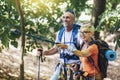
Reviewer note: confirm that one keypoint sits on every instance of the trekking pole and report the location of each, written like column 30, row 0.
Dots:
column 39, row 68
column 65, row 72
column 35, row 37
column 64, row 66
column 39, row 57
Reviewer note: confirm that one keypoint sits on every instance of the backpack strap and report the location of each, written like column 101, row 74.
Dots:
column 92, row 62
column 74, row 33
column 61, row 33
column 82, row 46
column 89, row 57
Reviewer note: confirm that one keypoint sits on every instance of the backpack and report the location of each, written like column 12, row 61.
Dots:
column 75, row 31
column 102, row 60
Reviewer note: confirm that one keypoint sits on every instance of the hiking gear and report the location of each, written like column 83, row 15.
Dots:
column 39, row 58
column 110, row 55
column 82, row 73
column 35, row 37
column 102, row 60
column 65, row 55
column 75, row 31
column 38, row 67
column 73, row 41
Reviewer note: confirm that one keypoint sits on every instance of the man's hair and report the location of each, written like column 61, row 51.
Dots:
column 70, row 11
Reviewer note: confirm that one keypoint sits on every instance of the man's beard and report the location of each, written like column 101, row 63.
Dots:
column 65, row 25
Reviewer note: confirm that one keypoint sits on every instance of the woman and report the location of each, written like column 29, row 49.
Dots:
column 86, row 33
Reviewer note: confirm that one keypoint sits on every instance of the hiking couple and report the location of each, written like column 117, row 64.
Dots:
column 74, row 49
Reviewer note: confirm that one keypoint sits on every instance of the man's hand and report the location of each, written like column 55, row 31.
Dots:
column 62, row 46
column 37, row 51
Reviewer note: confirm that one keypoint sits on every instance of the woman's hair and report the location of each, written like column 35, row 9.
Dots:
column 89, row 27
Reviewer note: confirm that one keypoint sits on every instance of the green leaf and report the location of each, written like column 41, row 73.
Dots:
column 14, row 35
column 5, row 40
column 14, row 43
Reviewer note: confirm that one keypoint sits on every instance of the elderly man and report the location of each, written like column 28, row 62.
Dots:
column 67, row 35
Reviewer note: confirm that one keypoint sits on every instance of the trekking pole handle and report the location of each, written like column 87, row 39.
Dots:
column 41, row 54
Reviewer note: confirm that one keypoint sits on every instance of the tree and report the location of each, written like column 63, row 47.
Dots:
column 98, row 9
column 110, row 19
column 104, row 17
column 23, row 38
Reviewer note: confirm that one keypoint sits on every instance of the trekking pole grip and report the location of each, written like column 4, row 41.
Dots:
column 41, row 54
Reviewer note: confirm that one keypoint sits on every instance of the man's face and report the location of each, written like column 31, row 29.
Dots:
column 68, row 19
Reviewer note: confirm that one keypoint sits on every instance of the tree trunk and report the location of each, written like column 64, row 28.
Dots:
column 99, row 8
column 23, row 38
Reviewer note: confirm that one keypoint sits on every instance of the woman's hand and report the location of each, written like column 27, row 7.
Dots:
column 76, row 77
column 74, row 67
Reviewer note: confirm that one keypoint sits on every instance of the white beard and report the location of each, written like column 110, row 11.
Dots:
column 65, row 25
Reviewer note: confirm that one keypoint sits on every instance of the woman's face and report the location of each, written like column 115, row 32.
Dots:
column 85, row 34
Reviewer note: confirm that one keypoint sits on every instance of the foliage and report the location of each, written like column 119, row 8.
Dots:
column 9, row 20
column 110, row 22
column 42, row 18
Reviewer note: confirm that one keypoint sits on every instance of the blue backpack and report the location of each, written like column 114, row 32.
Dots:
column 75, row 31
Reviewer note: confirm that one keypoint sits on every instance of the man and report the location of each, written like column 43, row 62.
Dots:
column 68, row 36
